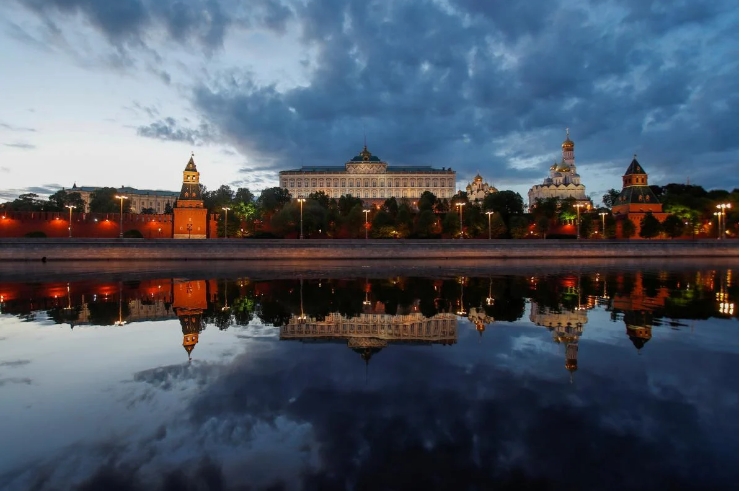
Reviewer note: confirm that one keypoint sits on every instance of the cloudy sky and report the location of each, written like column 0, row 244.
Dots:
column 119, row 93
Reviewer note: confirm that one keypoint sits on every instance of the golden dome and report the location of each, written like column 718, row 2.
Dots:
column 478, row 178
column 567, row 143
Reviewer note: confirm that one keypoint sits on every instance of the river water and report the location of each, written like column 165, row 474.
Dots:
column 365, row 377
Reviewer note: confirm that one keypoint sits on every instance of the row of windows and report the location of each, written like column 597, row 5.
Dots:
column 398, row 182
column 378, row 194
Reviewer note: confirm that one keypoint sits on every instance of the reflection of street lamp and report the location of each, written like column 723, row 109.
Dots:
column 460, row 210
column 120, row 321
column 718, row 214
column 578, row 207
column 461, row 311
column 120, row 215
column 723, row 207
column 70, row 218
column 603, row 223
column 226, row 211
column 490, row 299
column 301, row 205
column 366, row 223
column 490, row 214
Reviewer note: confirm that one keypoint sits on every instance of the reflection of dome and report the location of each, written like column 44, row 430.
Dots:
column 366, row 353
column 638, row 335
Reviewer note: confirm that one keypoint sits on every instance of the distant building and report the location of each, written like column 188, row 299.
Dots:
column 367, row 177
column 138, row 198
column 563, row 182
column 636, row 198
column 478, row 189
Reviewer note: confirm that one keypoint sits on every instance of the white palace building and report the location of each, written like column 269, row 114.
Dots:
column 367, row 177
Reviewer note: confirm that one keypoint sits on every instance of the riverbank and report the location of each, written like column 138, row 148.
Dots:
column 73, row 249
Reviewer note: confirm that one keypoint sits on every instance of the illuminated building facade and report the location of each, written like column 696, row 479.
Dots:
column 563, row 181
column 367, row 177
column 189, row 213
column 478, row 189
column 636, row 198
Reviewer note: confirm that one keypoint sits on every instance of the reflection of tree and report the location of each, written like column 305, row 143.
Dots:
column 273, row 312
column 66, row 315
column 106, row 313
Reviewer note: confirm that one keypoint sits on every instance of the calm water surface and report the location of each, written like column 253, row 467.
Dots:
column 598, row 379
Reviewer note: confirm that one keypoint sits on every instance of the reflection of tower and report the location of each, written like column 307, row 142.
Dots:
column 461, row 310
column 189, row 302
column 120, row 321
column 638, row 310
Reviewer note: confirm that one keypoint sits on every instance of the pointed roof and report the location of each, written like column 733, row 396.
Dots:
column 191, row 164
column 365, row 156
column 634, row 168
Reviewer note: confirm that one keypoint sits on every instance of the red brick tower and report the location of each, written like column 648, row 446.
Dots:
column 189, row 213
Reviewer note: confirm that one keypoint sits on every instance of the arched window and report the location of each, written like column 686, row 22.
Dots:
column 365, row 183
column 313, row 183
column 336, row 182
column 306, row 183
column 321, row 183
column 344, row 184
column 434, row 183
column 357, row 183
column 374, row 183
column 396, row 182
column 404, row 183
column 427, row 182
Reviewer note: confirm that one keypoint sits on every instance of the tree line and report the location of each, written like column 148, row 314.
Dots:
column 275, row 213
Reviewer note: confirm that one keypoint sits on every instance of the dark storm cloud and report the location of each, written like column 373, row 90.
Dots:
column 15, row 380
column 202, row 21
column 171, row 130
column 431, row 85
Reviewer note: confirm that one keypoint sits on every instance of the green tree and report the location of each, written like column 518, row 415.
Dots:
column 404, row 220
column 168, row 209
column 426, row 201
column 104, row 200
column 542, row 225
column 451, row 224
column 506, row 203
column 26, row 202
column 61, row 199
column 425, row 223
column 629, row 228
column 610, row 227
column 650, row 226
column 586, row 227
column 391, row 207
column 498, row 227
column 518, row 226
column 673, row 226
column 355, row 220
column 272, row 199
column 610, row 198
column 244, row 195
column 346, row 203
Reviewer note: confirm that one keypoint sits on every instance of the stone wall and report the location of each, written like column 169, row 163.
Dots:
column 252, row 250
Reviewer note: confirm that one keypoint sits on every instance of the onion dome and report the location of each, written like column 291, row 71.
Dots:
column 478, row 178
column 567, row 143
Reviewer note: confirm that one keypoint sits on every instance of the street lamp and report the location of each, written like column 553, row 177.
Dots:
column 226, row 211
column 366, row 223
column 120, row 215
column 603, row 223
column 301, row 204
column 578, row 207
column 722, row 207
column 490, row 214
column 460, row 210
column 70, row 218
column 718, row 214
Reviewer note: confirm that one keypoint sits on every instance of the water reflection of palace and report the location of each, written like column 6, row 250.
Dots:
column 373, row 329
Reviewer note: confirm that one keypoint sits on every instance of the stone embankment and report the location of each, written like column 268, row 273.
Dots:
column 73, row 249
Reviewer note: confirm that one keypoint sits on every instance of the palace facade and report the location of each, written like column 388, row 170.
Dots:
column 139, row 199
column 367, row 177
column 563, row 182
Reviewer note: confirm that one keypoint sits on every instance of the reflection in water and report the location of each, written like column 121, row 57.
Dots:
column 373, row 329
column 491, row 410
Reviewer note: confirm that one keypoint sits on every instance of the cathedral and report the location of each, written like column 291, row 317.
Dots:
column 563, row 182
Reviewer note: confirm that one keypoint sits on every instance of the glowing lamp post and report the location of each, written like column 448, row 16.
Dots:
column 578, row 207
column 70, row 218
column 722, row 219
column 603, row 223
column 489, row 213
column 301, row 229
column 718, row 214
column 366, row 223
column 460, row 210
column 226, row 212
column 120, row 215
